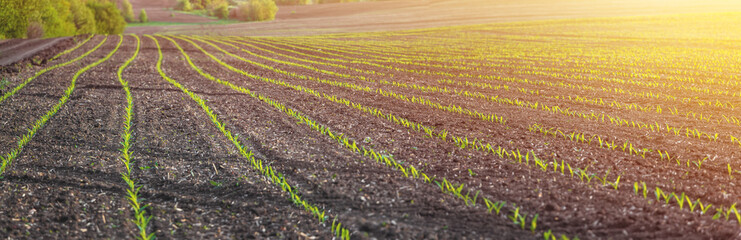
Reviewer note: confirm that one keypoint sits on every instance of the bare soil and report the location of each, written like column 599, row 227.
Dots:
column 66, row 184
column 162, row 11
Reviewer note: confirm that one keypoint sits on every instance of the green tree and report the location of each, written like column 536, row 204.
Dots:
column 82, row 17
column 107, row 17
column 263, row 10
column 257, row 10
column 56, row 19
column 14, row 15
column 184, row 5
column 143, row 16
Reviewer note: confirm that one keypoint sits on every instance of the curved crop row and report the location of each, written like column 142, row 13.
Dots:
column 386, row 93
column 13, row 154
column 347, row 59
column 268, row 171
column 28, row 80
column 352, row 145
column 695, row 133
column 575, row 99
column 73, row 48
column 140, row 213
column 691, row 133
column 462, row 142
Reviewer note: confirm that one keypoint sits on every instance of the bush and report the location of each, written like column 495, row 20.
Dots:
column 35, row 30
column 184, row 5
column 222, row 11
column 143, row 16
column 213, row 7
column 294, row 2
column 108, row 18
column 257, row 10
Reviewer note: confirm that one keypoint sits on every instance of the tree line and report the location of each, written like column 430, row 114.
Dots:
column 57, row 18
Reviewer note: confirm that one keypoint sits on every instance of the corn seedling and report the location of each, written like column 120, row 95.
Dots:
column 141, row 220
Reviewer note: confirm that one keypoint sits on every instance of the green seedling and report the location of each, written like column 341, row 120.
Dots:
column 644, row 189
column 730, row 171
column 615, row 184
column 548, row 235
column 603, row 180
column 3, row 84
column 515, row 216
column 680, row 200
column 691, row 204
column 494, row 206
column 704, row 208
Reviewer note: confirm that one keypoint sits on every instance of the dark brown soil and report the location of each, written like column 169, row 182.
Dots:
column 67, row 183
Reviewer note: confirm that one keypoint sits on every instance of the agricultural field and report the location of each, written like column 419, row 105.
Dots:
column 594, row 128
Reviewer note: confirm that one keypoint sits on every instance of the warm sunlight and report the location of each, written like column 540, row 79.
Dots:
column 370, row 119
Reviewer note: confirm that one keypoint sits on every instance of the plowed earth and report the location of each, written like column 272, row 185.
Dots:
column 66, row 183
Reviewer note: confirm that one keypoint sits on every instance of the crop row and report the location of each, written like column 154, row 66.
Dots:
column 141, row 218
column 464, row 143
column 576, row 99
column 482, row 48
column 532, row 70
column 655, row 127
column 65, row 52
column 266, row 170
column 8, row 158
column 45, row 70
column 378, row 156
column 386, row 93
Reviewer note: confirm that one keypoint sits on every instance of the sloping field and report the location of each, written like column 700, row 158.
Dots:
column 162, row 11
column 605, row 128
column 415, row 14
